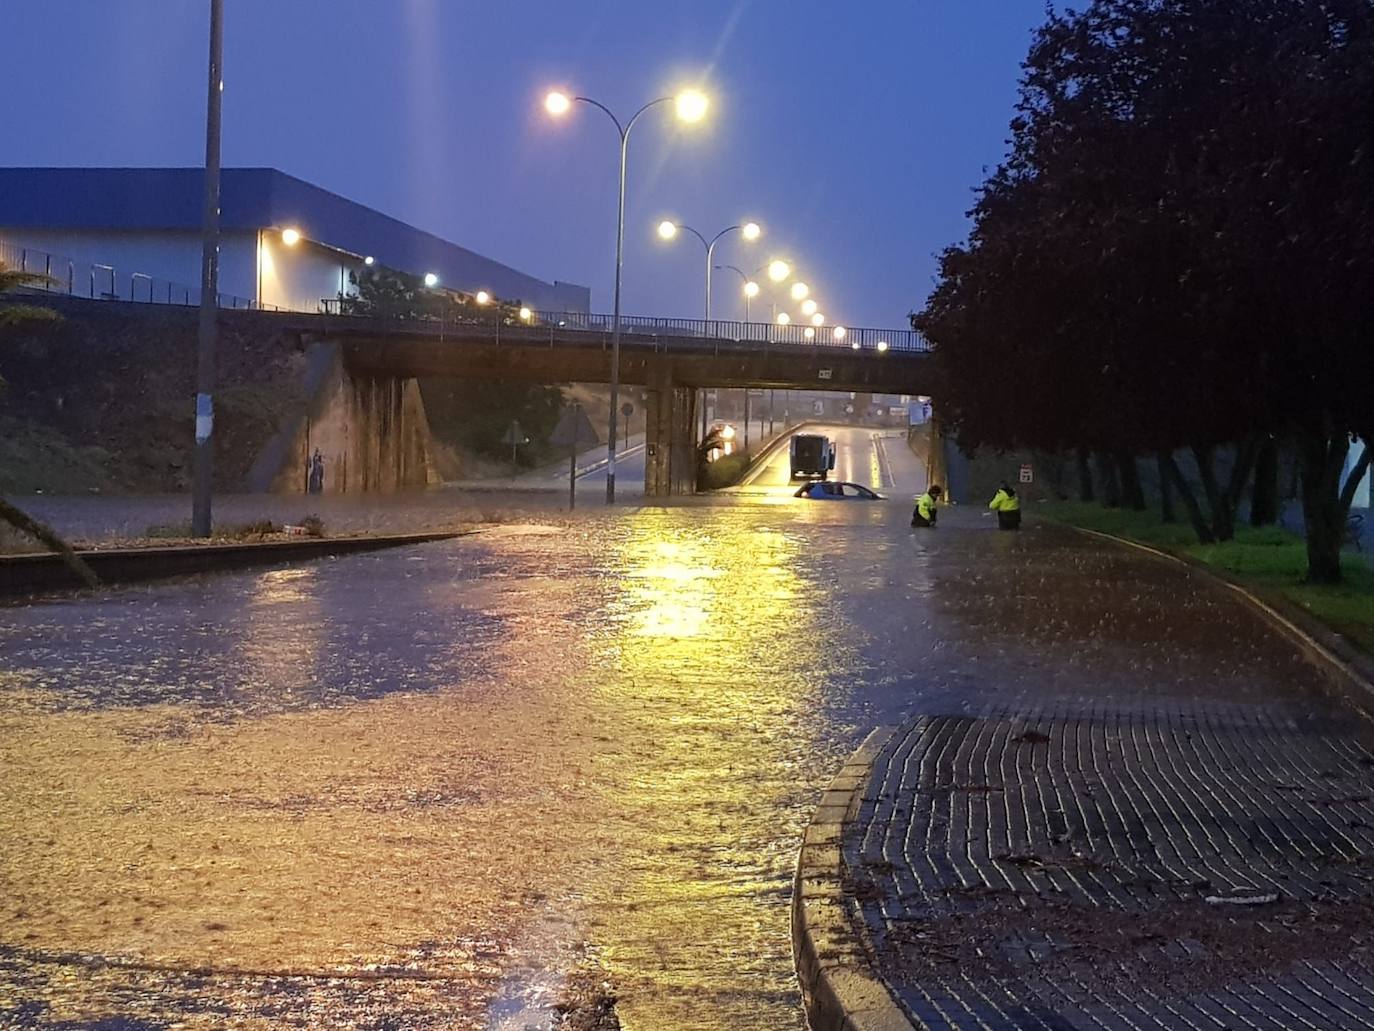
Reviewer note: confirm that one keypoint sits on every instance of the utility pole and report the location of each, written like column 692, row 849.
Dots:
column 203, row 482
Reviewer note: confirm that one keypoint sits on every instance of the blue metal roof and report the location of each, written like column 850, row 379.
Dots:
column 169, row 199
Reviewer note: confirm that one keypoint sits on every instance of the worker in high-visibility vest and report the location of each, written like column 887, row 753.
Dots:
column 926, row 503
column 1007, row 506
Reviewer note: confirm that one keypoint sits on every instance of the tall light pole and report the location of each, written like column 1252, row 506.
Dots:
column 749, row 230
column 750, row 289
column 203, row 469
column 691, row 107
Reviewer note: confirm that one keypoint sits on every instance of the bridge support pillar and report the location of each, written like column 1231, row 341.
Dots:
column 670, row 461
column 369, row 432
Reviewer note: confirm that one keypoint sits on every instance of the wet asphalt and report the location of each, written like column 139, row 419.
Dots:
column 421, row 788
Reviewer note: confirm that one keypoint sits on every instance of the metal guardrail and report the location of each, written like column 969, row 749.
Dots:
column 73, row 277
column 104, row 283
column 764, row 334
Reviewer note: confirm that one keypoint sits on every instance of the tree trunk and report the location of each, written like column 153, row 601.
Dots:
column 1085, row 476
column 1185, row 493
column 1321, row 455
column 1264, row 496
column 1219, row 500
column 1106, row 475
column 45, row 534
column 1166, row 489
column 1132, row 496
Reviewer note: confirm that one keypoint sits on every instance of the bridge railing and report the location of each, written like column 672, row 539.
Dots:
column 77, row 278
column 761, row 334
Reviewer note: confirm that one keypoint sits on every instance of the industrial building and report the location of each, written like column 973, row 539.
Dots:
column 135, row 234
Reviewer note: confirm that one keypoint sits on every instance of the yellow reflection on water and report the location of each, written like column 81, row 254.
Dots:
column 716, row 635
column 282, row 631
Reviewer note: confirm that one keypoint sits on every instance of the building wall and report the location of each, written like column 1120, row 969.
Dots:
column 299, row 277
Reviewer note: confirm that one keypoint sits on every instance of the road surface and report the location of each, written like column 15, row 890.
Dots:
column 877, row 458
column 434, row 787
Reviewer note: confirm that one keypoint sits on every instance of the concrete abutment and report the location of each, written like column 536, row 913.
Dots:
column 360, row 432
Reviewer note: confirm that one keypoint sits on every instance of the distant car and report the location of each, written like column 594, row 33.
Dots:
column 829, row 490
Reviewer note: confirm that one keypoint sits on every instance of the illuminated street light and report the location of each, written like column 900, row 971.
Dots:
column 290, row 237
column 799, row 291
column 369, row 261
column 810, row 333
column 855, row 345
column 809, row 306
column 691, row 107
column 779, row 270
column 783, row 318
column 882, row 345
column 840, row 332
column 751, row 289
column 482, row 297
column 749, row 230
column 431, row 280
column 526, row 315
column 817, row 319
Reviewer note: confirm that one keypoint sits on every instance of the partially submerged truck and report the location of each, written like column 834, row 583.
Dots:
column 812, row 455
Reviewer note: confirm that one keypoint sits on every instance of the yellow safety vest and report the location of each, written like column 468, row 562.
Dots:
column 1004, row 502
column 925, row 504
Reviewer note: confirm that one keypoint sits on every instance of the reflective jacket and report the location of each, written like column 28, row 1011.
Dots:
column 925, row 505
column 1005, row 501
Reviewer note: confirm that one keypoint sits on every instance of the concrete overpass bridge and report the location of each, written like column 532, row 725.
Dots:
column 673, row 360
column 365, row 413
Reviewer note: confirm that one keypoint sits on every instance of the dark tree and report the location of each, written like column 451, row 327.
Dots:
column 1178, row 249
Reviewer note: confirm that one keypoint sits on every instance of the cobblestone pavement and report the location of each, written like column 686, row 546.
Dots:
column 1186, row 844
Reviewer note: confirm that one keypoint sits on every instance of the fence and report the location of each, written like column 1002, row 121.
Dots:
column 77, row 278
column 107, row 283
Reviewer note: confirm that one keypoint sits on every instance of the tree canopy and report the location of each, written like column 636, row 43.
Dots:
column 1178, row 248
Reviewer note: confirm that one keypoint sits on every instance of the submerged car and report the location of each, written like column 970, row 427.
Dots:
column 829, row 490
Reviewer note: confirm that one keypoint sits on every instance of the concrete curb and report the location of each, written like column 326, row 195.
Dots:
column 839, row 989
column 1347, row 669
column 22, row 575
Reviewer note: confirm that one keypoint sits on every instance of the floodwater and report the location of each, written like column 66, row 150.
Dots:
column 425, row 787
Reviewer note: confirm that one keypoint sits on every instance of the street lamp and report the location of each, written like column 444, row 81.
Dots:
column 778, row 270
column 431, row 280
column 817, row 319
column 691, row 106
column 809, row 306
column 799, row 291
column 750, row 288
column 668, row 230
column 783, row 318
column 290, row 237
column 482, row 297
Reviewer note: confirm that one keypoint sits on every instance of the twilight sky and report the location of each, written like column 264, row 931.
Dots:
column 853, row 132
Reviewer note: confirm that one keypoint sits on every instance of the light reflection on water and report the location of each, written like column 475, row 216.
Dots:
column 506, row 757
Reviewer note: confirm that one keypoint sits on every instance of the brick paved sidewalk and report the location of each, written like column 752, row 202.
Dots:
column 1126, row 854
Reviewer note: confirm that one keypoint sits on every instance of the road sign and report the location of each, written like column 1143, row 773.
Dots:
column 822, row 373
column 1027, row 474
column 574, row 429
column 515, row 435
column 627, row 409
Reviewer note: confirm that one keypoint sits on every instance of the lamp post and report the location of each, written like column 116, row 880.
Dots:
column 749, row 230
column 691, row 107
column 203, row 477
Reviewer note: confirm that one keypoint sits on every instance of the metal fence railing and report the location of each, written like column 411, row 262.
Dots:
column 546, row 323
column 75, row 277
column 97, row 281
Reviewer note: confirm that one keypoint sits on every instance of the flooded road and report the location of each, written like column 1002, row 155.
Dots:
column 454, row 774
column 422, row 788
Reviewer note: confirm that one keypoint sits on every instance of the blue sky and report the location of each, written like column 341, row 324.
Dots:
column 853, row 132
